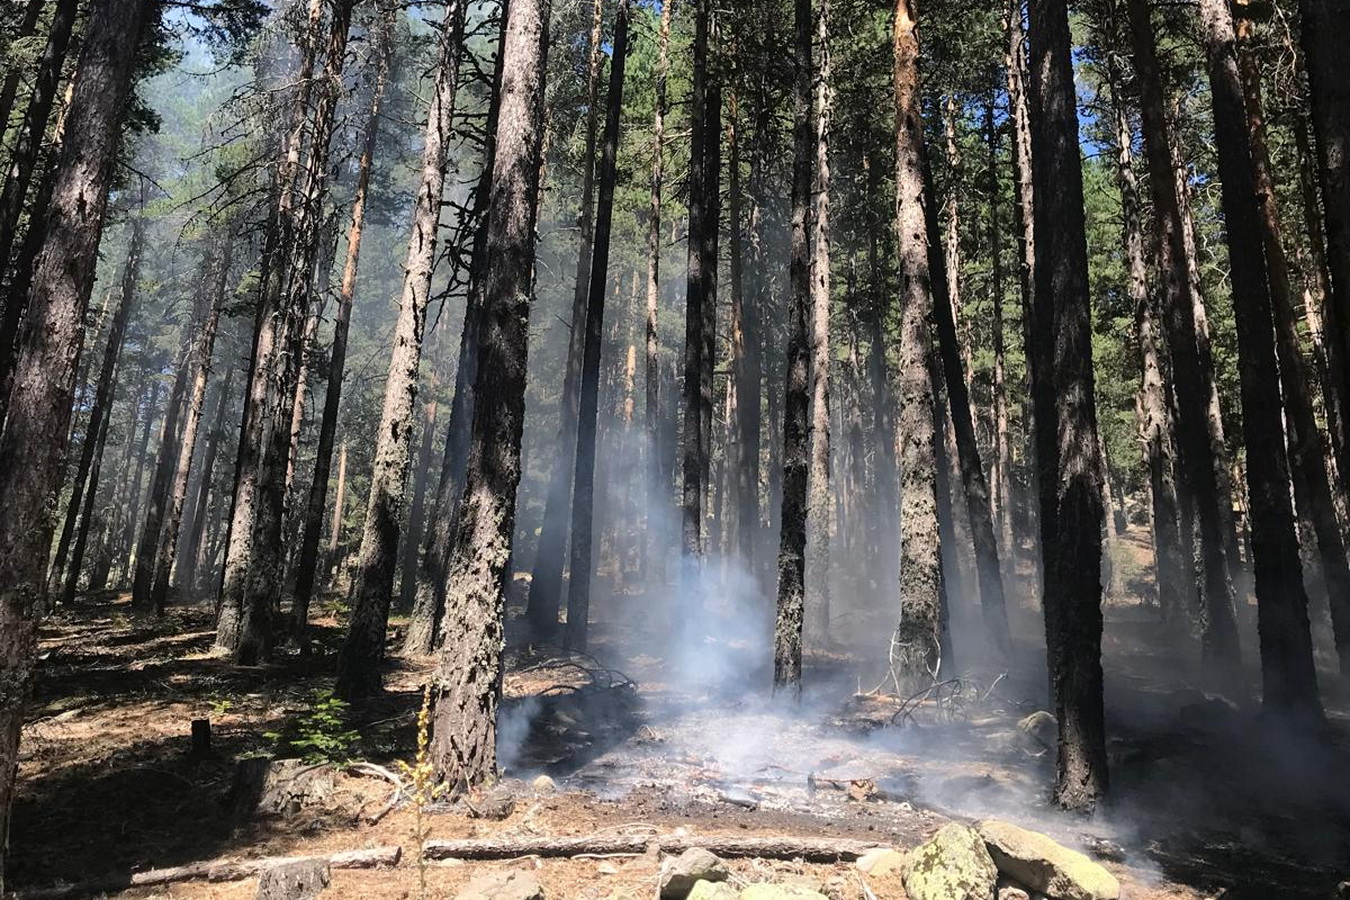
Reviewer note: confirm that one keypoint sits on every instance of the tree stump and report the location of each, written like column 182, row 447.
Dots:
column 300, row 880
column 201, row 738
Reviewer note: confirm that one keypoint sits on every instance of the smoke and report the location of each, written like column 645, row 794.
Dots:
column 513, row 728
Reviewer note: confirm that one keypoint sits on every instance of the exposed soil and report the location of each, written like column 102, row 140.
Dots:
column 1209, row 798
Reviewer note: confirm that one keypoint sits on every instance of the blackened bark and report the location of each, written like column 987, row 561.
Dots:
column 546, row 583
column 659, row 476
column 464, row 747
column 1288, row 675
column 580, row 564
column 916, row 647
column 44, row 381
column 787, row 648
column 1191, row 378
column 1066, row 421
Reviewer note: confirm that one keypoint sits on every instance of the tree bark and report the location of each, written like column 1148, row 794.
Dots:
column 818, row 480
column 1289, row 677
column 373, row 580
column 32, row 11
column 189, row 565
column 40, row 408
column 1066, row 421
column 1000, row 497
column 546, row 585
column 581, row 565
column 470, row 674
column 1192, row 379
column 787, row 652
column 916, row 646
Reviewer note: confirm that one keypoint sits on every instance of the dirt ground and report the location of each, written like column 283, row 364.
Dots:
column 1209, row 800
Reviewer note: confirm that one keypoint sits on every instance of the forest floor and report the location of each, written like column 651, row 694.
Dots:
column 1210, row 800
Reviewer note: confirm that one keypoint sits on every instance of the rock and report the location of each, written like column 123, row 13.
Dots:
column 494, row 804
column 881, row 861
column 1041, row 728
column 1038, row 863
column 300, row 880
column 280, row 787
column 544, row 785
column 952, row 865
column 513, row 885
column 691, row 866
column 712, row 890
column 1009, row 891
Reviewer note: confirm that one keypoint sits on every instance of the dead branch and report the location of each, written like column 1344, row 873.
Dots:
column 778, row 847
column 217, row 870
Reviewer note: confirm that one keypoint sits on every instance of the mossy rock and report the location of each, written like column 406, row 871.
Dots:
column 712, row 890
column 952, row 865
column 780, row 892
column 1036, row 861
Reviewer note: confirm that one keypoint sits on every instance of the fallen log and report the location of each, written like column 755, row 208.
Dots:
column 216, row 870
column 787, row 848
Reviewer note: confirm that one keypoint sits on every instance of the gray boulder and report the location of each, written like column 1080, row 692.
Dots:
column 299, row 880
column 513, row 885
column 952, row 865
column 689, row 868
column 1038, row 863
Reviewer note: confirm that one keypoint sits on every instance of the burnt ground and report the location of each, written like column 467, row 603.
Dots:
column 1210, row 798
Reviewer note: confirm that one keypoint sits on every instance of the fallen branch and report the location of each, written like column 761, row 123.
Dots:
column 216, row 870
column 785, row 848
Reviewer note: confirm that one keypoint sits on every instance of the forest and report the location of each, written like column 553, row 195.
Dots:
column 708, row 449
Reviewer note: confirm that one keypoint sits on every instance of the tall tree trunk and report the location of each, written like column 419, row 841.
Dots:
column 818, row 497
column 131, row 501
column 1000, row 497
column 1307, row 451
column 193, row 552
column 373, row 580
column 202, row 355
column 44, row 383
column 464, row 747
column 581, row 565
column 424, row 623
column 916, row 646
column 308, row 564
column 81, row 490
column 695, row 450
column 412, row 543
column 1066, row 420
column 1025, row 206
column 1289, row 678
column 659, row 478
column 1191, row 377
column 546, row 585
column 1325, row 23
column 787, row 651
column 1172, row 561
column 161, row 483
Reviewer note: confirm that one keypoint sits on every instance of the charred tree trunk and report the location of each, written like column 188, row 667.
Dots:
column 44, row 383
column 470, row 675
column 189, row 565
column 1000, row 498
column 1191, row 377
column 818, row 481
column 916, row 647
column 1066, row 420
column 787, row 651
column 581, row 564
column 659, row 477
column 1289, row 678
column 546, row 586
column 373, row 579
